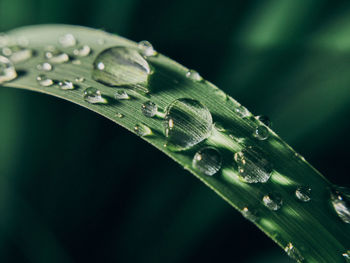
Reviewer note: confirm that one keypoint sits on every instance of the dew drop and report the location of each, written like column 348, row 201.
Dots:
column 93, row 95
column 340, row 199
column 247, row 213
column 56, row 56
column 149, row 109
column 265, row 120
column 142, row 130
column 147, row 48
column 346, row 256
column 121, row 66
column 44, row 81
column 207, row 160
column 303, row 193
column 121, row 95
column 68, row 40
column 79, row 79
column 187, row 123
column 44, row 66
column 17, row 53
column 194, row 75
column 261, row 132
column 119, row 115
column 241, row 111
column 252, row 166
column 273, row 201
column 7, row 70
column 293, row 253
column 66, row 85
column 82, row 51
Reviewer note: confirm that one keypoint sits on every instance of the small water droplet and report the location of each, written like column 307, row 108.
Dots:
column 261, row 132
column 68, row 40
column 187, row 123
column 207, row 160
column 119, row 115
column 7, row 70
column 142, row 130
column 79, row 79
column 252, row 166
column 121, row 66
column 264, row 119
column 66, row 85
column 149, row 109
column 93, row 95
column 121, row 95
column 82, row 51
column 241, row 111
column 44, row 81
column 303, row 193
column 340, row 199
column 147, row 48
column 346, row 256
column 249, row 214
column 293, row 253
column 56, row 56
column 17, row 53
column 273, row 201
column 44, row 66
column 194, row 75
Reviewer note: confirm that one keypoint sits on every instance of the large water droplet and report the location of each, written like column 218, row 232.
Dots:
column 340, row 199
column 250, row 215
column 149, row 109
column 121, row 95
column 303, row 193
column 147, row 48
column 44, row 81
column 187, row 123
column 142, row 130
column 346, row 256
column 121, row 66
column 293, row 253
column 207, row 160
column 252, row 166
column 273, row 201
column 264, row 119
column 7, row 70
column 68, row 40
column 93, row 95
column 261, row 132
column 17, row 53
column 194, row 75
column 56, row 56
column 66, row 85
column 44, row 66
column 82, row 51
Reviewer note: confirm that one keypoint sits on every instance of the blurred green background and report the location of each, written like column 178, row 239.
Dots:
column 61, row 200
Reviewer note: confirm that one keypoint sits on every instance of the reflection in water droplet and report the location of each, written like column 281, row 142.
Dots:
column 7, row 70
column 187, row 123
column 121, row 95
column 340, row 199
column 293, row 253
column 93, row 95
column 119, row 115
column 194, row 75
column 303, row 193
column 44, row 66
column 66, row 85
column 149, row 109
column 264, row 119
column 346, row 256
column 17, row 53
column 252, row 166
column 44, row 81
column 249, row 214
column 241, row 111
column 82, row 51
column 261, row 133
column 142, row 130
column 207, row 160
column 273, row 201
column 79, row 79
column 147, row 48
column 56, row 56
column 121, row 66
column 68, row 40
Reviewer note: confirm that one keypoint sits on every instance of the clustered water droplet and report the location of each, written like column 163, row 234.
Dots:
column 44, row 81
column 17, row 53
column 121, row 95
column 142, row 130
column 66, row 85
column 147, row 48
column 207, row 161
column 149, row 109
column 273, row 201
column 303, row 193
column 56, row 56
column 93, row 95
column 340, row 199
column 7, row 70
column 293, row 253
column 82, row 51
column 44, row 66
column 193, row 75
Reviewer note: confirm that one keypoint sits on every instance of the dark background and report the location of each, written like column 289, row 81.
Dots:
column 75, row 187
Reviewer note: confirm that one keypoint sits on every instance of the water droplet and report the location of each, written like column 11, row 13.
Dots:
column 249, row 214
column 149, row 109
column 346, row 256
column 44, row 81
column 303, row 193
column 56, row 56
column 119, row 115
column 121, row 66
column 66, row 85
column 252, row 166
column 76, row 62
column 241, row 111
column 68, row 40
column 121, row 95
column 147, row 48
column 273, row 201
column 44, row 66
column 142, row 130
column 293, row 253
column 194, row 75
column 82, row 51
column 17, row 53
column 264, row 119
column 7, row 70
column 207, row 160
column 93, row 95
column 261, row 132
column 187, row 123
column 79, row 79
column 340, row 199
